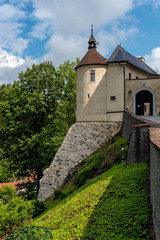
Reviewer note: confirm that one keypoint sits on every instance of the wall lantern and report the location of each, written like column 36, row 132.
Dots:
column 130, row 92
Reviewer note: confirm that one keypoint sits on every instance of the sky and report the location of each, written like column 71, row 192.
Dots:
column 34, row 31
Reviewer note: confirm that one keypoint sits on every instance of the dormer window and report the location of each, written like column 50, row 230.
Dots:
column 92, row 75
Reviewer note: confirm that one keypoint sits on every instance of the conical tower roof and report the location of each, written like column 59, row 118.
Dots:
column 92, row 57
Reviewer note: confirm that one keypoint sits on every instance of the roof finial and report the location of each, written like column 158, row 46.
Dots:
column 91, row 29
column 92, row 41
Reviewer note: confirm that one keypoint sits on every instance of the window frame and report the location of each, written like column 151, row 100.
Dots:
column 112, row 98
column 92, row 75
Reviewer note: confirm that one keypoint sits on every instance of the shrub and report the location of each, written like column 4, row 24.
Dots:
column 7, row 192
column 59, row 195
column 31, row 233
column 113, row 152
column 93, row 164
column 14, row 213
column 39, row 207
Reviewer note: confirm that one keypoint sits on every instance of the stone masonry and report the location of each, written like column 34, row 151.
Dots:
column 81, row 140
column 139, row 144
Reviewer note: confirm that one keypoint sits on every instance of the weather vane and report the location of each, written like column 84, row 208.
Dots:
column 91, row 29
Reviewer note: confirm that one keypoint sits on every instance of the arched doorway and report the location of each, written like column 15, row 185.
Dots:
column 144, row 103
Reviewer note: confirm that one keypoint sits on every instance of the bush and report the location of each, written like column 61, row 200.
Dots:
column 30, row 192
column 39, row 207
column 7, row 192
column 113, row 152
column 31, row 233
column 93, row 164
column 13, row 214
column 59, row 195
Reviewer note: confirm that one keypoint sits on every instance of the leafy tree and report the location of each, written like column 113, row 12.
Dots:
column 35, row 114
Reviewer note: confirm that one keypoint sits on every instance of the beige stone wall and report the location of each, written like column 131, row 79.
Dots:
column 134, row 73
column 134, row 85
column 91, row 96
column 115, row 88
column 94, row 98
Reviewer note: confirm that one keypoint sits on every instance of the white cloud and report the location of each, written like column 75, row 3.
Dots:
column 11, row 28
column 153, row 59
column 70, row 20
column 73, row 17
column 9, row 60
column 65, row 26
column 11, row 66
column 10, row 38
column 10, row 13
column 113, row 38
column 61, row 48
column 156, row 3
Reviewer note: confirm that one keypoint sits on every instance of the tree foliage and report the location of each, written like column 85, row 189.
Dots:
column 35, row 114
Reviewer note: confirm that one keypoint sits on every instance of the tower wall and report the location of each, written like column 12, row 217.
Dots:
column 91, row 96
column 115, row 89
column 103, row 99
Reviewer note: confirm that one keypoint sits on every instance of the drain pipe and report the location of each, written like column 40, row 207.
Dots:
column 124, row 85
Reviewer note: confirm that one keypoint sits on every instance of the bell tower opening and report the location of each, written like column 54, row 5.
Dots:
column 92, row 41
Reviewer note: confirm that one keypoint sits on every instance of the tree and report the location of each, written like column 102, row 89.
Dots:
column 35, row 114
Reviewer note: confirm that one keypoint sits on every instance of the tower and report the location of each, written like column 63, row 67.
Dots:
column 91, row 84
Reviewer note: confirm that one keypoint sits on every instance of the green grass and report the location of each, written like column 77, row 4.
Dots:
column 112, row 206
column 110, row 154
column 113, row 152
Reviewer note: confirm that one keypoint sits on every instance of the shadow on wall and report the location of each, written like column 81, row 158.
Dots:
column 96, row 104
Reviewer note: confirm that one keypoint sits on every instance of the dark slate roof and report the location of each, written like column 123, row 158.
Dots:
column 92, row 57
column 121, row 55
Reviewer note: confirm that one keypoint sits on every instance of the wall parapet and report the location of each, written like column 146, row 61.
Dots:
column 144, row 145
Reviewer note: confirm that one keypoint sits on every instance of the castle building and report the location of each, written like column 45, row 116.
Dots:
column 105, row 87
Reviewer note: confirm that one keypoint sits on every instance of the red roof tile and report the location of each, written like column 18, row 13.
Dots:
column 92, row 57
column 14, row 184
column 92, row 38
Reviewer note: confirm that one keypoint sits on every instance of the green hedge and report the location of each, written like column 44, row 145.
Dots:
column 13, row 214
column 31, row 233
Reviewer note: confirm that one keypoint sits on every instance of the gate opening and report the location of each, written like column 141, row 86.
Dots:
column 144, row 103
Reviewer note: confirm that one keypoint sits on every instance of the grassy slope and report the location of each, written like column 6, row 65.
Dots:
column 114, row 205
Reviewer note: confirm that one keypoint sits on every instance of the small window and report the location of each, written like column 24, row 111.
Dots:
column 88, row 95
column 112, row 98
column 137, row 77
column 92, row 72
column 130, row 76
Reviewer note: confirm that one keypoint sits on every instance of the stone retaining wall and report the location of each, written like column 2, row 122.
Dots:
column 81, row 140
column 144, row 145
column 155, row 178
column 130, row 119
column 139, row 144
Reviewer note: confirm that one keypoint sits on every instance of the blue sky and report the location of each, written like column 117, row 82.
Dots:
column 33, row 31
